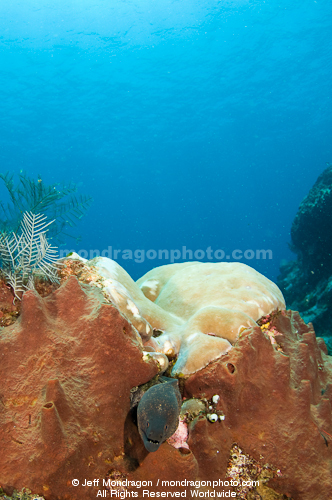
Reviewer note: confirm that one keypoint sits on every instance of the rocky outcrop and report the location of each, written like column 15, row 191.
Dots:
column 307, row 282
column 311, row 229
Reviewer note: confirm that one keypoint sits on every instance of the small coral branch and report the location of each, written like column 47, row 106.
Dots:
column 27, row 254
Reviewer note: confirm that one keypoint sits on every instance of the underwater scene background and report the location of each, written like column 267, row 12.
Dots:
column 190, row 123
column 136, row 134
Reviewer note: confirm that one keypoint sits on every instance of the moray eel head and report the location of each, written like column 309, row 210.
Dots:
column 158, row 413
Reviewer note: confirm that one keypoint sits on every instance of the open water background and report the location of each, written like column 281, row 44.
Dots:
column 197, row 123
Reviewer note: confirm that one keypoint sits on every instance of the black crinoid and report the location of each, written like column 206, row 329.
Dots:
column 58, row 202
column 26, row 254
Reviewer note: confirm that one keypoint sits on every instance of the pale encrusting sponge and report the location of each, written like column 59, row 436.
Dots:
column 193, row 312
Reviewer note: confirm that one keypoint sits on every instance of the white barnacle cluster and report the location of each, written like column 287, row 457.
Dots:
column 214, row 415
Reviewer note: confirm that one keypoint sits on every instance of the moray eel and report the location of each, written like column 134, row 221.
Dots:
column 158, row 413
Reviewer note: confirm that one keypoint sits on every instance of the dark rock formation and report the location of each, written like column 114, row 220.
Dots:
column 312, row 229
column 307, row 282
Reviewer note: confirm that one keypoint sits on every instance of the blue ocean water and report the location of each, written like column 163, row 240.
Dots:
column 196, row 124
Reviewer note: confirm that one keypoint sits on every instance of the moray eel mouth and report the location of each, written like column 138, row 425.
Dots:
column 158, row 413
column 150, row 444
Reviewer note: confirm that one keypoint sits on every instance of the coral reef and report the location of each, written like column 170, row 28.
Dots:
column 71, row 361
column 214, row 303
column 277, row 405
column 9, row 310
column 197, row 309
column 24, row 494
column 307, row 282
column 66, row 372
